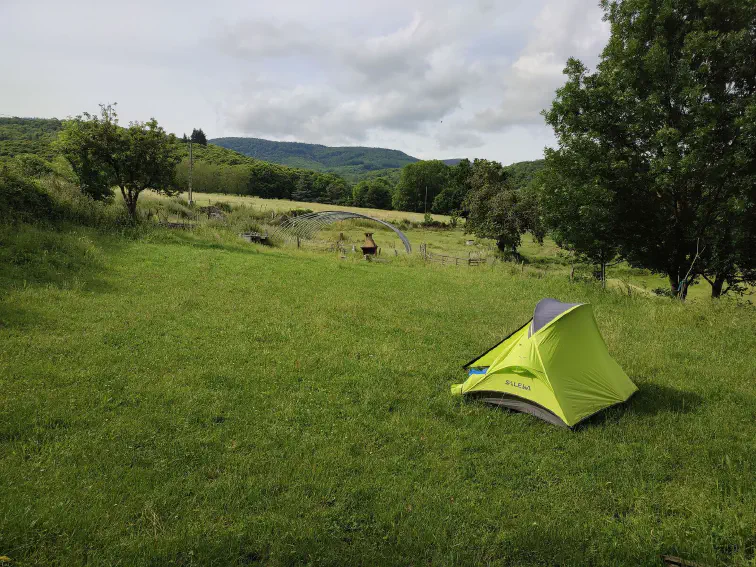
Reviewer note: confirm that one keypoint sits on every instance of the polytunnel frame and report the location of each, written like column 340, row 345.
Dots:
column 305, row 226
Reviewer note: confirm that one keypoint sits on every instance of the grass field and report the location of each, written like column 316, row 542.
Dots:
column 185, row 399
column 282, row 205
column 452, row 242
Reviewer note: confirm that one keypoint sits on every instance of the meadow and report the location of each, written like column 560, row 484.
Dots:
column 284, row 205
column 546, row 256
column 185, row 398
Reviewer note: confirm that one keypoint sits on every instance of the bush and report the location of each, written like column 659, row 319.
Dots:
column 22, row 199
column 224, row 206
column 179, row 207
column 53, row 199
column 428, row 222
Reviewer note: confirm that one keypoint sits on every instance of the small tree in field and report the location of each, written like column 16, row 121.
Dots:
column 104, row 154
column 496, row 209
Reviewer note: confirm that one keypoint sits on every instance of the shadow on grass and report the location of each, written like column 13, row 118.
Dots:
column 650, row 399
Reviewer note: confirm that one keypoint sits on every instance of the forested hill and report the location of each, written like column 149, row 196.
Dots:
column 28, row 136
column 36, row 136
column 351, row 162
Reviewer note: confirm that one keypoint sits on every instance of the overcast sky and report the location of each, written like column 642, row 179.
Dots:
column 433, row 78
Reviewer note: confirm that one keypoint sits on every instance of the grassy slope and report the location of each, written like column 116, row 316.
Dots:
column 188, row 400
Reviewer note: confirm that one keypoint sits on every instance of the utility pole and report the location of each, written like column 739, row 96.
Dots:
column 425, row 209
column 191, row 166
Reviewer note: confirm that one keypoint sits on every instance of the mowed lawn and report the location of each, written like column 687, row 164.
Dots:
column 177, row 400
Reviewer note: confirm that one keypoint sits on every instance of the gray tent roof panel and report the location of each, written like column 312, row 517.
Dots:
column 546, row 311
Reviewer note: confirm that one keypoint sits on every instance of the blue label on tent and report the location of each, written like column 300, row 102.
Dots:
column 472, row 371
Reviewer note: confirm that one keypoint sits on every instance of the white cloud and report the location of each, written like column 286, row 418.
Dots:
column 429, row 77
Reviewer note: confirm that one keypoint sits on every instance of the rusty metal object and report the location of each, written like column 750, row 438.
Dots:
column 370, row 248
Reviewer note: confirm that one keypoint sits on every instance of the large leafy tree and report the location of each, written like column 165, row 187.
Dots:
column 495, row 208
column 419, row 184
column 104, row 154
column 450, row 200
column 372, row 194
column 664, row 132
column 577, row 207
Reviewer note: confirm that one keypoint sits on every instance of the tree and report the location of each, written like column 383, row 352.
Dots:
column 198, row 137
column 334, row 189
column 104, row 154
column 303, row 188
column 494, row 207
column 419, row 184
column 83, row 142
column 665, row 132
column 731, row 260
column 577, row 209
column 372, row 194
column 450, row 199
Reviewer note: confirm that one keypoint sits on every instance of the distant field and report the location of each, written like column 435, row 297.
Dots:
column 454, row 242
column 184, row 398
column 286, row 205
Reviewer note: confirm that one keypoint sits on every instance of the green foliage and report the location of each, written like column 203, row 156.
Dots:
column 54, row 200
column 220, row 170
column 21, row 199
column 492, row 207
column 29, row 136
column 579, row 211
column 104, row 154
column 373, row 194
column 31, row 165
column 499, row 211
column 419, row 184
column 354, row 163
column 198, row 137
column 522, row 173
column 664, row 130
column 451, row 199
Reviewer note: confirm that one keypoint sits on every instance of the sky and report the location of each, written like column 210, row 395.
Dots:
column 433, row 78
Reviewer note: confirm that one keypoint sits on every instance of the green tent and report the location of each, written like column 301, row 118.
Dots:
column 556, row 367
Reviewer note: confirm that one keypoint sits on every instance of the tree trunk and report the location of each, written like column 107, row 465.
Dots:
column 131, row 206
column 717, row 285
column 130, row 199
column 678, row 286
